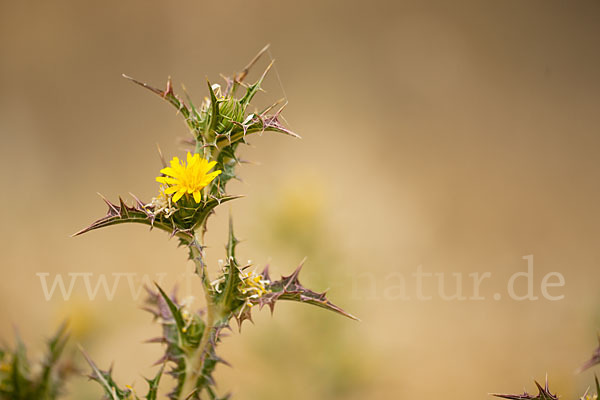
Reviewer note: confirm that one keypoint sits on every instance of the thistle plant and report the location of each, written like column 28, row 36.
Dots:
column 189, row 191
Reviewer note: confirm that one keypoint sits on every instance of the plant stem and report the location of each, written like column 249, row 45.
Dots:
column 195, row 361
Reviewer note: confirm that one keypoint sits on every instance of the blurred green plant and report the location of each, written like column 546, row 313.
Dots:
column 21, row 379
column 298, row 225
column 188, row 195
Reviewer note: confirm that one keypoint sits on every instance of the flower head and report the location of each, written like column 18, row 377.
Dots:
column 188, row 178
column 252, row 285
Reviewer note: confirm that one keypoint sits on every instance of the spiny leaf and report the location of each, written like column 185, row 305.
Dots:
column 232, row 241
column 201, row 214
column 214, row 114
column 57, row 343
column 122, row 213
column 226, row 300
column 543, row 394
column 206, row 380
column 290, row 288
column 180, row 224
column 20, row 370
column 105, row 379
column 258, row 124
column 253, row 89
column 46, row 387
column 170, row 96
column 181, row 335
column 175, row 313
column 153, row 384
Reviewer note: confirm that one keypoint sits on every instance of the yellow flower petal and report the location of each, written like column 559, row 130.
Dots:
column 167, row 180
column 197, row 197
column 171, row 189
column 168, row 171
column 177, row 196
column 210, row 165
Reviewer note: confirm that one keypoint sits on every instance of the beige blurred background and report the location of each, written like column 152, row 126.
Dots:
column 458, row 136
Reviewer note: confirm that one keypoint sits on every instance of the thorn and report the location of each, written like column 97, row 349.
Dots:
column 123, row 207
column 240, row 77
column 110, row 205
column 161, row 360
column 265, row 273
column 272, row 106
column 293, row 278
column 169, row 89
column 85, row 355
column 157, row 91
column 278, row 112
column 160, row 154
column 266, row 70
column 138, row 202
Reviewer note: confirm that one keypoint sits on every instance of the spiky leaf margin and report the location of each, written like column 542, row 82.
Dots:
column 138, row 213
column 543, row 394
column 289, row 288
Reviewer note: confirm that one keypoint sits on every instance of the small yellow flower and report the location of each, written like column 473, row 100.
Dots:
column 252, row 286
column 188, row 178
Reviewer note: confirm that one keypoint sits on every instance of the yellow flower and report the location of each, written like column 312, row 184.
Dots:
column 188, row 178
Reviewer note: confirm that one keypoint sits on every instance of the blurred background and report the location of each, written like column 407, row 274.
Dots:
column 456, row 136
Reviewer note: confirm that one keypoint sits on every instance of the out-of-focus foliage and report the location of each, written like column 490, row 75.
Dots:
column 22, row 379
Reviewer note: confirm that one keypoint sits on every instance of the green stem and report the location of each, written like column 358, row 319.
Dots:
column 199, row 147
column 195, row 361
